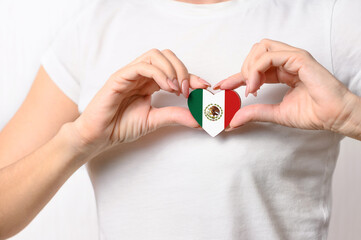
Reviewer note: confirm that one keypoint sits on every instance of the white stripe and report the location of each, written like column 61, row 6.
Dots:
column 213, row 127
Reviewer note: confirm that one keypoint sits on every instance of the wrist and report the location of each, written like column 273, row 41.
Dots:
column 351, row 124
column 79, row 151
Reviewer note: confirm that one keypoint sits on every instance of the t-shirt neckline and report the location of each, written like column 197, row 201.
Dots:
column 200, row 10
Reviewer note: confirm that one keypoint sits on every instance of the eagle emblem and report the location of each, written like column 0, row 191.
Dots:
column 213, row 112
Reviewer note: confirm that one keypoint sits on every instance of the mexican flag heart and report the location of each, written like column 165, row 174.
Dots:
column 213, row 112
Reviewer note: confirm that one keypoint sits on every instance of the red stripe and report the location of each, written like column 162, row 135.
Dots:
column 232, row 103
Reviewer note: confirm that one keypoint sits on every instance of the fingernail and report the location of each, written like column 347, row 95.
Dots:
column 185, row 88
column 199, row 128
column 204, row 82
column 228, row 129
column 246, row 91
column 217, row 86
column 175, row 81
column 255, row 94
column 172, row 85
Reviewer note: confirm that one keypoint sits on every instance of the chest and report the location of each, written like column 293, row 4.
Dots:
column 212, row 48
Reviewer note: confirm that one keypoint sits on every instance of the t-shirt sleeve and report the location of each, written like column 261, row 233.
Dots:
column 64, row 59
column 346, row 43
column 61, row 62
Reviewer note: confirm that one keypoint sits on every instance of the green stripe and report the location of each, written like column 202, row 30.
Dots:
column 195, row 105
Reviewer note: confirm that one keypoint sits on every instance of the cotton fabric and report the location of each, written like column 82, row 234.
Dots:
column 262, row 181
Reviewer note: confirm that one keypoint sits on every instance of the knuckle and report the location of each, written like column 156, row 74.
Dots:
column 265, row 41
column 182, row 70
column 113, row 76
column 116, row 75
column 266, row 44
column 168, row 51
column 153, row 51
column 255, row 45
column 304, row 54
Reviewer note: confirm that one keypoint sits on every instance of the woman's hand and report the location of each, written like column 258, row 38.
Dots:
column 121, row 111
column 316, row 99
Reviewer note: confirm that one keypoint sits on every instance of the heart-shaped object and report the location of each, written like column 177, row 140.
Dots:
column 213, row 112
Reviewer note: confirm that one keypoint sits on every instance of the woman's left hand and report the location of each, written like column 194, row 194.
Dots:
column 316, row 99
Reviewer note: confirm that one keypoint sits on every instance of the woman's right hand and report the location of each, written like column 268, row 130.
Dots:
column 55, row 142
column 121, row 111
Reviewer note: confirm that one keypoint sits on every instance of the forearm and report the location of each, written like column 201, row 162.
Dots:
column 352, row 124
column 28, row 184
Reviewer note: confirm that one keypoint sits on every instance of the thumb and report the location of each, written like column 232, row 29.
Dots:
column 161, row 117
column 254, row 113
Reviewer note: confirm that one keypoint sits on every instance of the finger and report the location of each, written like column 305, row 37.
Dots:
column 180, row 70
column 244, row 68
column 161, row 117
column 255, row 113
column 256, row 52
column 132, row 73
column 197, row 82
column 184, row 79
column 218, row 85
column 158, row 59
column 240, row 79
column 258, row 49
column 231, row 82
column 148, row 88
column 272, row 45
column 289, row 61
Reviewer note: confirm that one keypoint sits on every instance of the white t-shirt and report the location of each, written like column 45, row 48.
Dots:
column 263, row 181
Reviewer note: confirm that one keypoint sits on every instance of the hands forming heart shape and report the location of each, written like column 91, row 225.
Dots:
column 122, row 111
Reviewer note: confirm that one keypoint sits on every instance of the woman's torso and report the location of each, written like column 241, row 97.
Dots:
column 262, row 181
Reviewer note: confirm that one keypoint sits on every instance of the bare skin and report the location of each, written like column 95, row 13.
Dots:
column 43, row 145
column 316, row 100
column 55, row 141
